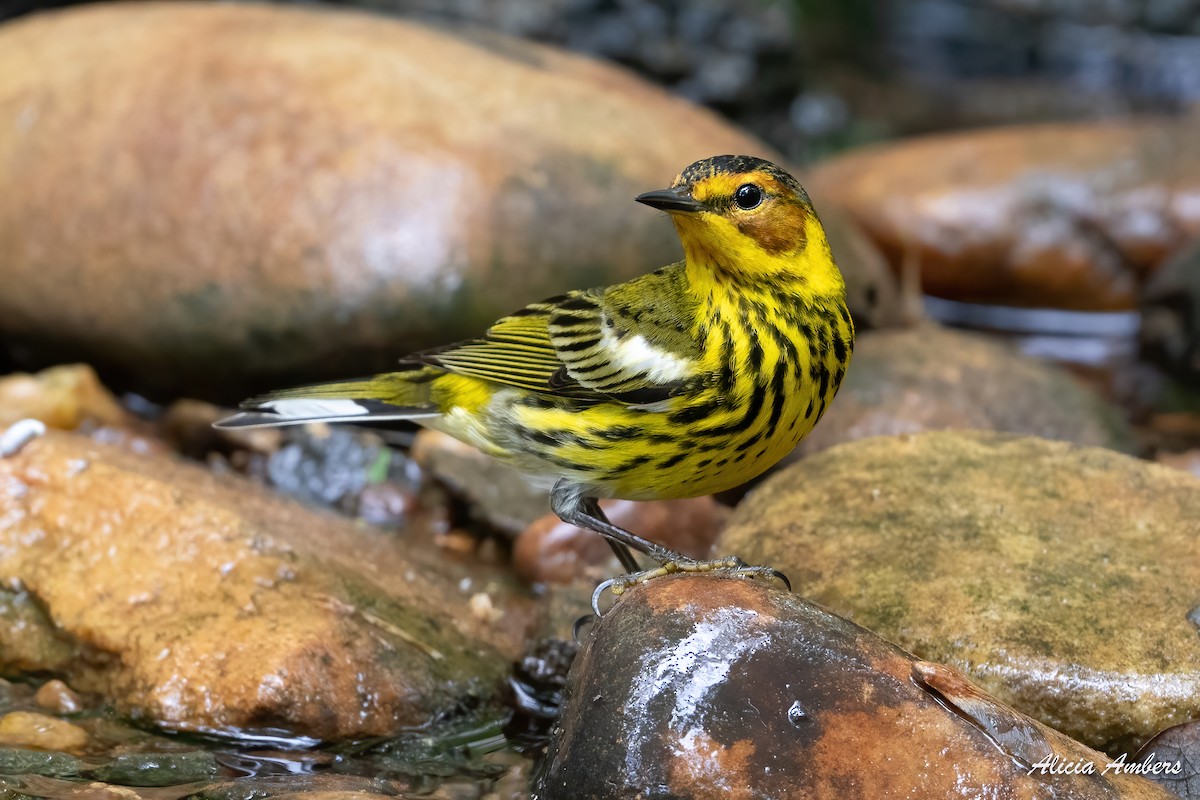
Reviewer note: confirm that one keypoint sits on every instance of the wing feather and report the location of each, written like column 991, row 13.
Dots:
column 573, row 347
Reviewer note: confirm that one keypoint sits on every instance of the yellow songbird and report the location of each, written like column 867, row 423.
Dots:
column 690, row 380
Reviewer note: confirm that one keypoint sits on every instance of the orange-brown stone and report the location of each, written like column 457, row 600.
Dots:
column 205, row 603
column 710, row 687
column 1064, row 215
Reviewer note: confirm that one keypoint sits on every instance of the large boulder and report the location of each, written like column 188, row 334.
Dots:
column 709, row 687
column 219, row 198
column 203, row 603
column 1061, row 579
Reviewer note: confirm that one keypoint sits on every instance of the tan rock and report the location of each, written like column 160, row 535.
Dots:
column 710, row 687
column 1065, row 215
column 1060, row 579
column 62, row 397
column 30, row 729
column 209, row 604
column 272, row 194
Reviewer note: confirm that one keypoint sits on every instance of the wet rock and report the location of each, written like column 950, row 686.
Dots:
column 496, row 495
column 553, row 551
column 33, row 762
column 704, row 686
column 403, row 189
column 58, row 698
column 1066, row 215
column 1170, row 332
column 41, row 732
column 329, row 787
column 932, row 378
column 63, row 397
column 158, row 769
column 1180, row 746
column 538, row 683
column 1059, row 578
column 205, row 603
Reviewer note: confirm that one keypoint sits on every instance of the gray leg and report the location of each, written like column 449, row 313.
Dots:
column 568, row 502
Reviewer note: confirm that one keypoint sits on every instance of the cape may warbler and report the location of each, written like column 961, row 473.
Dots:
column 687, row 381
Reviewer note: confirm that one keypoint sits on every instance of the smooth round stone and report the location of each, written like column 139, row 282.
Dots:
column 701, row 686
column 1063, row 215
column 221, row 198
column 1061, row 579
column 41, row 732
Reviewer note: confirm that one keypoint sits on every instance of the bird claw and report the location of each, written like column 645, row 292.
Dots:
column 731, row 565
column 596, row 595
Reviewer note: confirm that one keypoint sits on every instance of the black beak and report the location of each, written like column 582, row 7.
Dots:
column 676, row 199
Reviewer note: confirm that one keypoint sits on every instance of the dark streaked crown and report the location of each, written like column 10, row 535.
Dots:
column 734, row 165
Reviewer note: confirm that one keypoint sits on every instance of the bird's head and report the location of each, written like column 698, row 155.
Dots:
column 745, row 217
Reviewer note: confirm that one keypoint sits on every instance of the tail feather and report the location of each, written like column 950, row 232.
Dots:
column 390, row 397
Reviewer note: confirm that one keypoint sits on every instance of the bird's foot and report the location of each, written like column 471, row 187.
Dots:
column 729, row 565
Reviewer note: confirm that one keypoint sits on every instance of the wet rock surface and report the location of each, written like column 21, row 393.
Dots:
column 933, row 378
column 1178, row 745
column 446, row 759
column 702, row 686
column 223, row 241
column 214, row 606
column 1072, row 216
column 1060, row 579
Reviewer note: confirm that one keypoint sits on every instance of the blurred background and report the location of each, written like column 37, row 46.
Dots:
column 815, row 76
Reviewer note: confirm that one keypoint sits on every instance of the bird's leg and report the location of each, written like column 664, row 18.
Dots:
column 571, row 506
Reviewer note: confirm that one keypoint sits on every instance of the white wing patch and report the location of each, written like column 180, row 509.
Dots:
column 308, row 408
column 634, row 355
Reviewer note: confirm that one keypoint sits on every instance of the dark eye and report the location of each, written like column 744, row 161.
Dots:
column 748, row 196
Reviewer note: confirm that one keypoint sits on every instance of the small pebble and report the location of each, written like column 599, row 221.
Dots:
column 41, row 732
column 56, row 697
column 483, row 609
